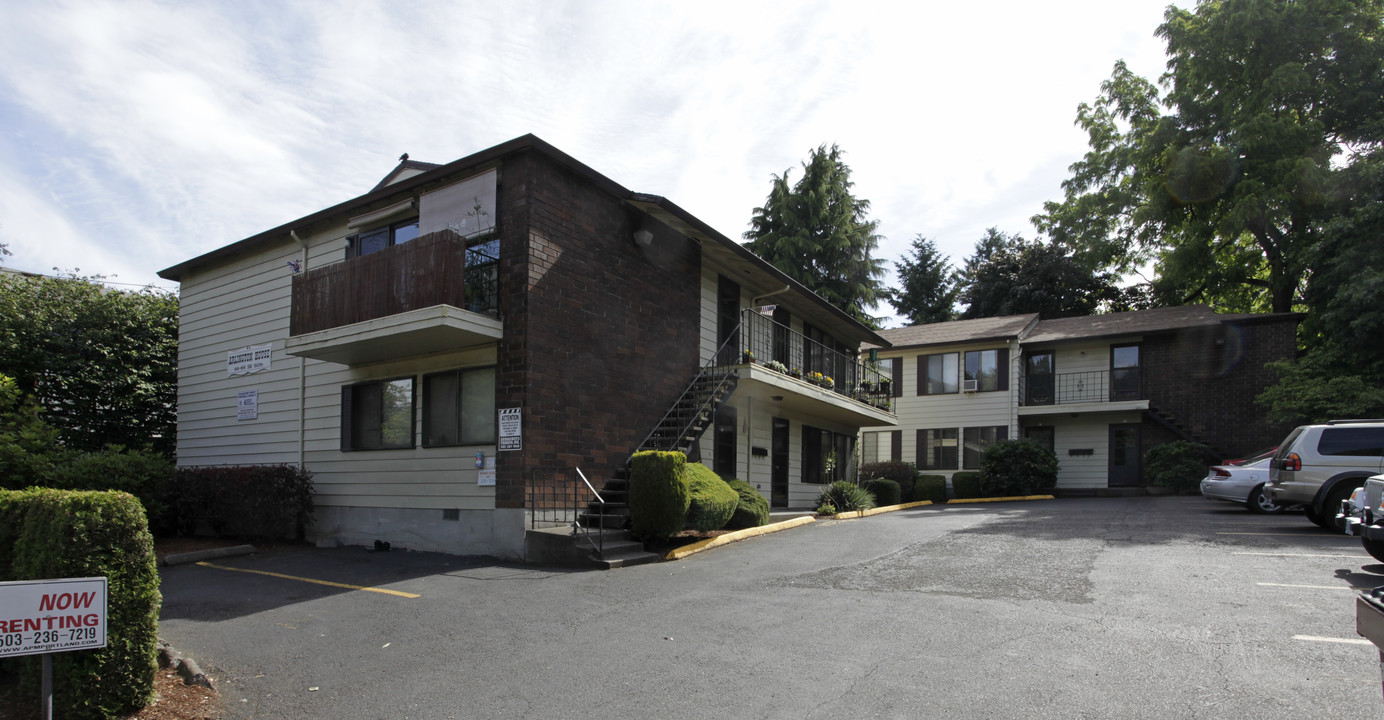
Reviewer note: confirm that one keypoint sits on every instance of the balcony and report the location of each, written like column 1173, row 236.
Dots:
column 796, row 373
column 1096, row 390
column 430, row 294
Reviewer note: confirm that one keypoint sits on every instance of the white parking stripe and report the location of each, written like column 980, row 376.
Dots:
column 1343, row 641
column 1301, row 535
column 1316, row 587
column 1265, row 554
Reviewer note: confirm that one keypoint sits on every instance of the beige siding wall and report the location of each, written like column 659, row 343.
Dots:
column 247, row 302
column 955, row 410
column 1088, row 431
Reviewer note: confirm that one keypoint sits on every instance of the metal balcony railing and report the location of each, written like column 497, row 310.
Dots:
column 761, row 341
column 436, row 269
column 1082, row 387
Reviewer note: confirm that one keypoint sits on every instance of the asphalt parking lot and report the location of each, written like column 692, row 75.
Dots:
column 1173, row 607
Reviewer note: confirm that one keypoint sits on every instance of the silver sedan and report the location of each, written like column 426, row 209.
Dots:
column 1241, row 484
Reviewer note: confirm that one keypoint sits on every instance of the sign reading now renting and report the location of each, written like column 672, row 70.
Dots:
column 44, row 616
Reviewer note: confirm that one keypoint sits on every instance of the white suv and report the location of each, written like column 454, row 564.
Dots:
column 1319, row 466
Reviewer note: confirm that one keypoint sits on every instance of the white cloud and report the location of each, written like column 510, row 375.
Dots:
column 146, row 133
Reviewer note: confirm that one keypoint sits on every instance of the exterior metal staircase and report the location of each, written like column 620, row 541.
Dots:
column 684, row 423
column 1175, row 426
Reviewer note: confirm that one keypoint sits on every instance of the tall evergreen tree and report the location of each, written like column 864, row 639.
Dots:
column 927, row 285
column 818, row 233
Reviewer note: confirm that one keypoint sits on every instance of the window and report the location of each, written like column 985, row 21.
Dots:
column 1043, row 435
column 1038, row 371
column 869, row 447
column 377, row 415
column 827, row 456
column 380, row 238
column 1359, row 442
column 459, row 407
column 979, row 439
column 987, row 369
column 937, row 374
column 1124, row 372
column 937, row 449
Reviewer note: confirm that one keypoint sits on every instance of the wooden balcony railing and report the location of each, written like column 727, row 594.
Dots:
column 436, row 269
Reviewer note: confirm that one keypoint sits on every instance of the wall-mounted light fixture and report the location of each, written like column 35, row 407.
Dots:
column 643, row 237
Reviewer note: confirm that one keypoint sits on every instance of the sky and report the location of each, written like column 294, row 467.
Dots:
column 135, row 135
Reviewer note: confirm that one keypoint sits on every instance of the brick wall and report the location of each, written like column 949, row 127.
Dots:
column 600, row 335
column 1208, row 378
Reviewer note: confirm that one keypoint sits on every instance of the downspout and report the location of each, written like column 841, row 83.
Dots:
column 754, row 301
column 302, row 363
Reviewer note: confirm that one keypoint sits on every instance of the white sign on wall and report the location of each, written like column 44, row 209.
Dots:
column 248, row 359
column 44, row 616
column 247, row 405
column 511, row 430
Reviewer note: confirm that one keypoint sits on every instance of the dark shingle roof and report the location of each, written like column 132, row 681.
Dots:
column 958, row 331
column 1137, row 322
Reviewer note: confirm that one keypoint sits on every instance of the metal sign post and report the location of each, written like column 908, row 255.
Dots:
column 48, row 616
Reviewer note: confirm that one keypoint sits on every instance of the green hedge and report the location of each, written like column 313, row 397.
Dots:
column 47, row 533
column 930, row 487
column 752, row 510
column 966, row 485
column 142, row 473
column 1016, row 468
column 269, row 501
column 658, row 494
column 886, row 492
column 711, row 502
column 1179, row 465
column 903, row 473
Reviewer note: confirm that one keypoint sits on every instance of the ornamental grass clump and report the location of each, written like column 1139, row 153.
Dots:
column 846, row 496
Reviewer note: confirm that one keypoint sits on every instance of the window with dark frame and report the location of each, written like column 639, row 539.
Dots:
column 1044, row 435
column 378, row 415
column 937, row 449
column 937, row 374
column 976, row 440
column 983, row 367
column 459, row 407
column 372, row 241
column 827, row 456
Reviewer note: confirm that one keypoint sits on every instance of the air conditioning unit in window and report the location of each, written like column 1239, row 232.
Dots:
column 969, row 385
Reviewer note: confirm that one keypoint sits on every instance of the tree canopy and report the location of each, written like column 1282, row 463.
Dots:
column 101, row 363
column 819, row 234
column 1008, row 275
column 927, row 287
column 1227, row 178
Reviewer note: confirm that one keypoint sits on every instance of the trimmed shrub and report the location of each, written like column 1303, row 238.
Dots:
column 752, row 510
column 711, row 502
column 26, row 442
column 658, row 494
column 1179, row 465
column 886, row 492
column 142, row 473
column 930, row 487
column 269, row 501
column 89, row 534
column 1012, row 468
column 902, row 473
column 966, row 485
column 846, row 496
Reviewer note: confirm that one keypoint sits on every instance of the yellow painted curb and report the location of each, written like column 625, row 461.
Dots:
column 1000, row 499
column 875, row 511
column 731, row 537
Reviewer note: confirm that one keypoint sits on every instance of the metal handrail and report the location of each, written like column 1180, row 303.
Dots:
column 705, row 373
column 599, row 544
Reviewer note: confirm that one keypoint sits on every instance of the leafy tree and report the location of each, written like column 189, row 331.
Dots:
column 101, row 363
column 26, row 442
column 817, row 233
column 1320, row 386
column 1225, row 179
column 1007, row 275
column 927, row 285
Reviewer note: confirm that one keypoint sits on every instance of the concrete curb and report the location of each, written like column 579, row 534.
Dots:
column 212, row 554
column 1001, row 499
column 853, row 514
column 728, row 538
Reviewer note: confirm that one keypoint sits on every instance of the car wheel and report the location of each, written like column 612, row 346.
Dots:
column 1331, row 506
column 1261, row 502
column 1374, row 547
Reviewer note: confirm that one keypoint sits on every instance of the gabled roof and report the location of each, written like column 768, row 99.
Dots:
column 1138, row 322
column 411, row 167
column 1008, row 327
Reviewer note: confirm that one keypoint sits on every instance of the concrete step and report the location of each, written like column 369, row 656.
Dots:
column 625, row 559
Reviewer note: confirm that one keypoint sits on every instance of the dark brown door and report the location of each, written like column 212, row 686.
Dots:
column 778, row 457
column 1125, row 468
